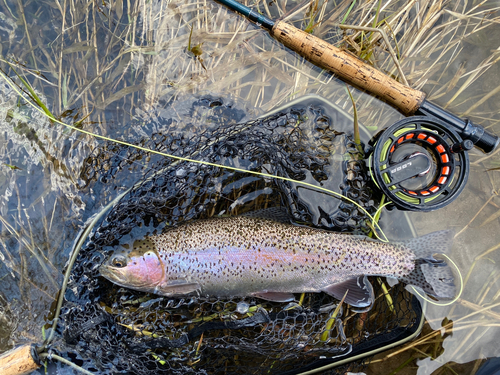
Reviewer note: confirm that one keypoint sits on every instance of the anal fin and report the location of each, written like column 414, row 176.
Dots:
column 359, row 292
column 275, row 296
column 177, row 287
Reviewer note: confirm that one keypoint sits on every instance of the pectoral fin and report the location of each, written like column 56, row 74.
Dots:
column 391, row 281
column 359, row 292
column 177, row 287
column 275, row 296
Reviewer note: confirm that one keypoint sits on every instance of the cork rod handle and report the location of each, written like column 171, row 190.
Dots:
column 349, row 68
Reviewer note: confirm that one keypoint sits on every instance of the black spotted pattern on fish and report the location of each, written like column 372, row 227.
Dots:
column 242, row 255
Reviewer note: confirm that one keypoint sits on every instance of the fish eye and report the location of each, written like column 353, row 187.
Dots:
column 119, row 261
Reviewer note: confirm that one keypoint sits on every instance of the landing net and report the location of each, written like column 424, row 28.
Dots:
column 110, row 330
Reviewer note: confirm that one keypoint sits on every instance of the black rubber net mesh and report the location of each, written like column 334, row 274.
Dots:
column 110, row 329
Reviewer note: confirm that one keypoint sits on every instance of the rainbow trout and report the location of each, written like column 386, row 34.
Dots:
column 245, row 256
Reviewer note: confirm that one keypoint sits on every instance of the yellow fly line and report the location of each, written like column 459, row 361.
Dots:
column 200, row 161
column 261, row 174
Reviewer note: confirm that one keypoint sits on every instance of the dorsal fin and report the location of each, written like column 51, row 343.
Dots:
column 279, row 214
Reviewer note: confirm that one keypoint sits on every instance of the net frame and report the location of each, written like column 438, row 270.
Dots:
column 110, row 217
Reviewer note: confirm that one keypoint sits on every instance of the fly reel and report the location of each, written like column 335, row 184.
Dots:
column 420, row 163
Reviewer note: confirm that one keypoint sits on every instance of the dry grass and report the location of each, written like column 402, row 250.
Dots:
column 104, row 61
column 117, row 56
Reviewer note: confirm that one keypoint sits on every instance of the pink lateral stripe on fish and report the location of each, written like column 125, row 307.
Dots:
column 244, row 256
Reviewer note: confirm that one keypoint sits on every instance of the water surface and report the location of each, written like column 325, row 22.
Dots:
column 110, row 63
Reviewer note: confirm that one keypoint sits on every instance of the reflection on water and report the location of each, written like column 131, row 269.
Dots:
column 40, row 213
column 474, row 217
column 106, row 63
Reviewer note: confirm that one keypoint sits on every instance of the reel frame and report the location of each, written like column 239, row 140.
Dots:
column 449, row 153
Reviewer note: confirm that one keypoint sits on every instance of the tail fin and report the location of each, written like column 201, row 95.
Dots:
column 433, row 276
column 432, row 243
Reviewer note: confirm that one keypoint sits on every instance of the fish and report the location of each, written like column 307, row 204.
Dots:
column 245, row 256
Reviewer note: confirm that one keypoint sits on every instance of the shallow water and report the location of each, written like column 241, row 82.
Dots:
column 121, row 60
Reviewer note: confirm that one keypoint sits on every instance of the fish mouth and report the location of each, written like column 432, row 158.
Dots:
column 120, row 277
column 114, row 274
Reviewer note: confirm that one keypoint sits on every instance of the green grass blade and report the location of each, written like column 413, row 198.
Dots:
column 348, row 12
column 357, row 137
column 33, row 94
column 375, row 20
column 331, row 321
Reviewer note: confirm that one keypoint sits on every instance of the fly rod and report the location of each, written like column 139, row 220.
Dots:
column 352, row 70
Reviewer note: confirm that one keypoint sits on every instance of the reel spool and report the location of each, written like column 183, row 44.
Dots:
column 420, row 164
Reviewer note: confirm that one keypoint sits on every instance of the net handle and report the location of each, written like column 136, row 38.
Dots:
column 19, row 361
